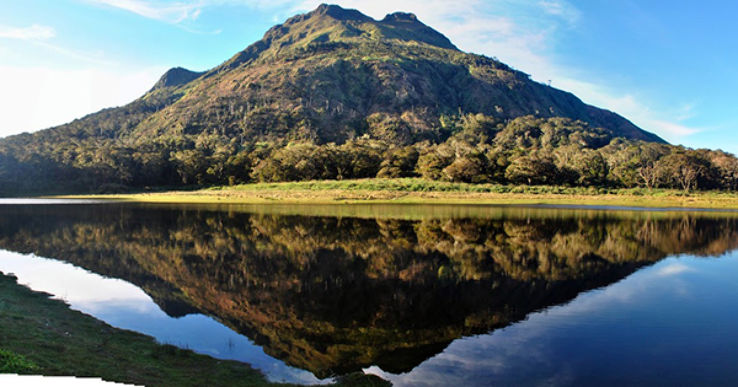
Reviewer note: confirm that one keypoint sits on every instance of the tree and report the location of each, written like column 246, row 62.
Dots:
column 685, row 170
column 433, row 160
column 591, row 168
column 191, row 165
column 497, row 163
column 364, row 157
column 649, row 175
column 399, row 162
column 726, row 168
column 631, row 164
column 531, row 170
column 237, row 168
column 470, row 168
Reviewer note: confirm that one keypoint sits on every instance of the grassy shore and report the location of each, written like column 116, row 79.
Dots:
column 39, row 335
column 419, row 191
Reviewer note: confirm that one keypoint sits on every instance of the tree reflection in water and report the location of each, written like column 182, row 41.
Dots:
column 336, row 294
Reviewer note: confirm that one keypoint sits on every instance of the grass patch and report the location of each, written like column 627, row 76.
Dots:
column 420, row 191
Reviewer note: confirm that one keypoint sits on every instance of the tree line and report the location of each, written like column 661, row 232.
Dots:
column 472, row 148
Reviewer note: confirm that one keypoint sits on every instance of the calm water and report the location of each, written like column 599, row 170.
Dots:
column 419, row 295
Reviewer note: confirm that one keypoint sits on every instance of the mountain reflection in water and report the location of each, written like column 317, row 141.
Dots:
column 379, row 286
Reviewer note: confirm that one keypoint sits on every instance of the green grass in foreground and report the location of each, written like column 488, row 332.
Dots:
column 39, row 335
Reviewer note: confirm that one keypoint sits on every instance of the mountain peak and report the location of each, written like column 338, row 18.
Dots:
column 333, row 23
column 176, row 76
column 402, row 26
column 406, row 26
column 400, row 17
column 339, row 13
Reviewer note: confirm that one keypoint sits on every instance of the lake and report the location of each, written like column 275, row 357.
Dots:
column 418, row 295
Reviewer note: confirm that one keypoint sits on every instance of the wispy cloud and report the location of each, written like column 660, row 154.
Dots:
column 562, row 9
column 672, row 130
column 674, row 269
column 668, row 123
column 171, row 12
column 97, row 57
column 34, row 32
column 505, row 29
column 39, row 35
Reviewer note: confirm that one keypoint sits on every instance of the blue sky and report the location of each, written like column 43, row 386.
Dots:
column 670, row 67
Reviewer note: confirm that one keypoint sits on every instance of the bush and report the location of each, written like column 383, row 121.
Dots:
column 11, row 363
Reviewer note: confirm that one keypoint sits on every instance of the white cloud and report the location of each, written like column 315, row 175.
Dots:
column 34, row 32
column 671, row 130
column 668, row 124
column 674, row 269
column 165, row 11
column 40, row 97
column 562, row 9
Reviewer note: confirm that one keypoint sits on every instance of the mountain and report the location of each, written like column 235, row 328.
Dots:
column 330, row 76
column 334, row 74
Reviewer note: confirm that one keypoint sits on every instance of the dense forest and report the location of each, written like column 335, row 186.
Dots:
column 476, row 149
column 334, row 94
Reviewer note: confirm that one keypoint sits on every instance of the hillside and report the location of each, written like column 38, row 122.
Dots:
column 335, row 94
column 335, row 74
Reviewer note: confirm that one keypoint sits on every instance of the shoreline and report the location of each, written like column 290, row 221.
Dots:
column 44, row 336
column 416, row 191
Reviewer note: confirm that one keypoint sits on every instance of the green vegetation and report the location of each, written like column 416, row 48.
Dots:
column 423, row 185
column 333, row 94
column 422, row 191
column 11, row 363
column 555, row 152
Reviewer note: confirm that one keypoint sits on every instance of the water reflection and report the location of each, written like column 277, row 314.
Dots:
column 336, row 294
column 126, row 306
column 670, row 324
